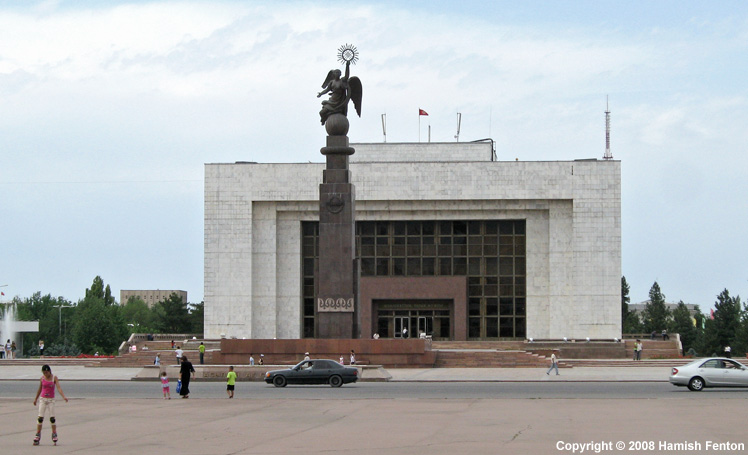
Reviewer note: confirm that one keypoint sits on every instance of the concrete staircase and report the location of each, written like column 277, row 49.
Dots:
column 51, row 361
column 627, row 363
column 490, row 358
column 654, row 349
column 142, row 358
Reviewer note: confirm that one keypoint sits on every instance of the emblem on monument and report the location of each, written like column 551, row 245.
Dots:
column 335, row 204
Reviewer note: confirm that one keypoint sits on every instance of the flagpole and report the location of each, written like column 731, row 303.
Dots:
column 419, row 126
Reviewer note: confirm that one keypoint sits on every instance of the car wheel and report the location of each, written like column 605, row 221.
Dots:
column 696, row 384
column 279, row 381
column 336, row 381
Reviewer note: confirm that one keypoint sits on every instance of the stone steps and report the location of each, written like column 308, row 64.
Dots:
column 627, row 363
column 471, row 358
column 51, row 361
column 142, row 358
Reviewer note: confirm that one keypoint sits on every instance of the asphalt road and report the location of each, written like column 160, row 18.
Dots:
column 382, row 390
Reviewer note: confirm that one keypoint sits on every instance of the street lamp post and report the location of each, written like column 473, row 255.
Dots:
column 60, row 307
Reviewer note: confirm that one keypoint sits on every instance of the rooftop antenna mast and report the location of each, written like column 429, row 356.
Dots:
column 608, row 155
column 459, row 122
column 384, row 126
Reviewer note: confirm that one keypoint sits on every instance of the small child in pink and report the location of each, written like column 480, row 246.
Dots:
column 165, row 385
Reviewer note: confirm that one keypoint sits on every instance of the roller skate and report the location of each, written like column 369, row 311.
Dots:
column 37, row 438
column 54, row 438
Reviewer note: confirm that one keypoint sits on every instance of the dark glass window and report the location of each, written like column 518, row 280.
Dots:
column 490, row 253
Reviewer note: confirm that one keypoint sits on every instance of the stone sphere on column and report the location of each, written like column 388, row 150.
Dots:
column 337, row 125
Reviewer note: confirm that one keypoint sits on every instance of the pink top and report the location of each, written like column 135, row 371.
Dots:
column 164, row 381
column 48, row 388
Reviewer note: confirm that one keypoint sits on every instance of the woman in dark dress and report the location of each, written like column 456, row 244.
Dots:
column 184, row 372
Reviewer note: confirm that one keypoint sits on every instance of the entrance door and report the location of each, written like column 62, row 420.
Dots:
column 425, row 325
column 401, row 322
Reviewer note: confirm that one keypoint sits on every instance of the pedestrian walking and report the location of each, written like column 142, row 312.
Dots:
column 251, row 360
column 185, row 370
column 230, row 382
column 554, row 364
column 41, row 348
column 202, row 353
column 165, row 385
column 353, row 357
column 46, row 390
column 179, row 353
column 728, row 352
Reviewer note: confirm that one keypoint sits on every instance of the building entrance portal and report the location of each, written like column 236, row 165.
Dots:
column 401, row 322
column 431, row 318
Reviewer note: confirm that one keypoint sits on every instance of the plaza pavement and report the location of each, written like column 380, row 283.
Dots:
column 378, row 426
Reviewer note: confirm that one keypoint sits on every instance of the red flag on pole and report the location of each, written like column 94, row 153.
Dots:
column 712, row 313
column 422, row 112
column 2, row 293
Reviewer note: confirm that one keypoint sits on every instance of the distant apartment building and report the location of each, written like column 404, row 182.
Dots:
column 639, row 307
column 151, row 297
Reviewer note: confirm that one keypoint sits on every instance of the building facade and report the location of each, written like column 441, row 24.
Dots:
column 151, row 296
column 449, row 243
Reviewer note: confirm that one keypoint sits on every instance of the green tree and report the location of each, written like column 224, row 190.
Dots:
column 683, row 324
column 726, row 319
column 741, row 337
column 655, row 315
column 98, row 327
column 172, row 315
column 633, row 323
column 99, row 291
column 706, row 341
column 98, row 323
column 197, row 316
column 138, row 317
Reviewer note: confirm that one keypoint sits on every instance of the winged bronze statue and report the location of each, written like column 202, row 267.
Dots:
column 341, row 90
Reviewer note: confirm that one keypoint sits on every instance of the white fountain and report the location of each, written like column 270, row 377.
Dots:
column 7, row 329
column 12, row 329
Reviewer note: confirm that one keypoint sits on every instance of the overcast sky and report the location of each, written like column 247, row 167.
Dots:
column 109, row 110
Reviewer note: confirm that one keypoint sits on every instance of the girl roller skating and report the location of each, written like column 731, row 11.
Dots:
column 47, row 385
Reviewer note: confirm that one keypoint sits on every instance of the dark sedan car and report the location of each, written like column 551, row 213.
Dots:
column 317, row 371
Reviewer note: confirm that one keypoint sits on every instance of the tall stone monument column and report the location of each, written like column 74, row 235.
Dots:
column 337, row 274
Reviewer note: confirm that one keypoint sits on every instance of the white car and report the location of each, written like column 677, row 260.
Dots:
column 710, row 372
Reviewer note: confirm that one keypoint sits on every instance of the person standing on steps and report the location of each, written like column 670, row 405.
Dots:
column 202, row 353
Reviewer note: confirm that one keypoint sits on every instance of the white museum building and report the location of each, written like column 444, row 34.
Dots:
column 450, row 243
